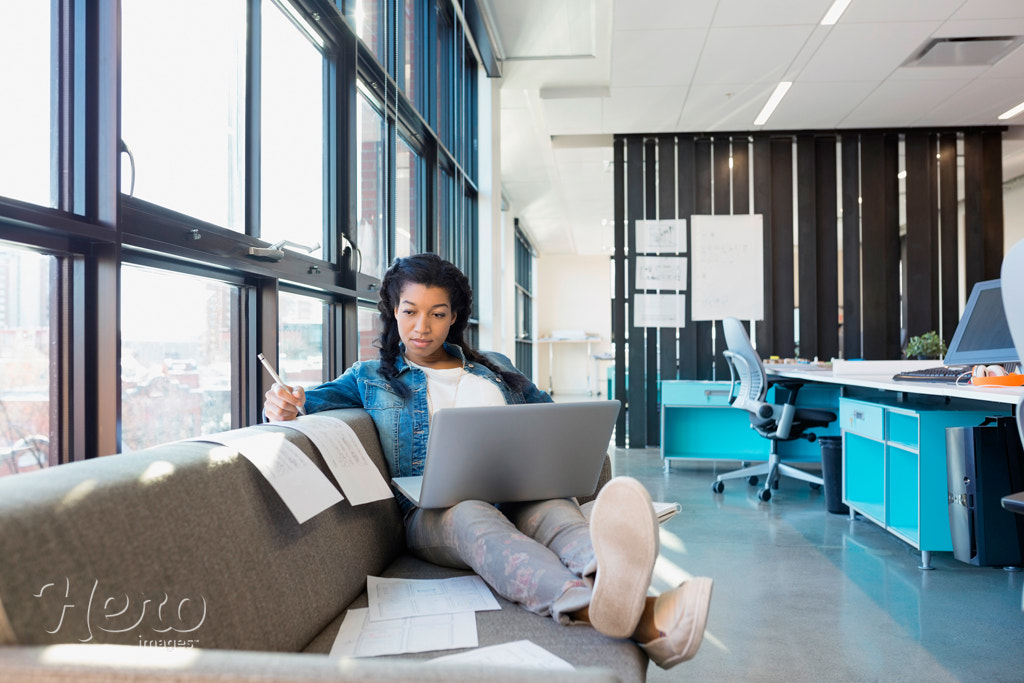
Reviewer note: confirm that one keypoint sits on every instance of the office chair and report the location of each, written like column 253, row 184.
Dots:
column 774, row 421
column 1012, row 284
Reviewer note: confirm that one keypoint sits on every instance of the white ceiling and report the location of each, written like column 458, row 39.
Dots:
column 575, row 72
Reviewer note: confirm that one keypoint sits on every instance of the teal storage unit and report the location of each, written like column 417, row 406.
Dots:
column 698, row 422
column 894, row 463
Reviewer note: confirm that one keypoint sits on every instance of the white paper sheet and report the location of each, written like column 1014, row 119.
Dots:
column 302, row 486
column 359, row 478
column 661, row 236
column 400, row 598
column 523, row 654
column 661, row 272
column 659, row 310
column 360, row 637
column 727, row 277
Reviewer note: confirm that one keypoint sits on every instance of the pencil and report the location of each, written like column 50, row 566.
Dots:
column 277, row 378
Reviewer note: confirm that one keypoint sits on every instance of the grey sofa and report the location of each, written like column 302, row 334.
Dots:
column 180, row 562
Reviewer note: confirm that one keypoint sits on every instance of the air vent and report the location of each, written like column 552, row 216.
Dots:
column 976, row 51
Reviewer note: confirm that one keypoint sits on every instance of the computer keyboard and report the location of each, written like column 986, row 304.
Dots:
column 941, row 373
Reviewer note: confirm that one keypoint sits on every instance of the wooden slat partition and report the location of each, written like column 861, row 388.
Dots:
column 836, row 236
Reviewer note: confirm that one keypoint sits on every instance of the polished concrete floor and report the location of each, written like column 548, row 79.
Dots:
column 805, row 595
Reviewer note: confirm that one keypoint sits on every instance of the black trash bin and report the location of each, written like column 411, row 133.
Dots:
column 832, row 473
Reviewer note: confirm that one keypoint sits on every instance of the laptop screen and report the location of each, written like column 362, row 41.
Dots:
column 983, row 335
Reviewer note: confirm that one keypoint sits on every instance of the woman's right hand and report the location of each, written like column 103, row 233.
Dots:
column 282, row 404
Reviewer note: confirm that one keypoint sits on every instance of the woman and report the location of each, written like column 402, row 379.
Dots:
column 543, row 555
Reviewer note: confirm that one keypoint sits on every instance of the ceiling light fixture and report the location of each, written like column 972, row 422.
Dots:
column 1010, row 113
column 834, row 12
column 769, row 107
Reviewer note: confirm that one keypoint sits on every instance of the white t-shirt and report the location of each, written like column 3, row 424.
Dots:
column 454, row 387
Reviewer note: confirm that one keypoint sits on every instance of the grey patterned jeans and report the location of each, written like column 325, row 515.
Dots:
column 536, row 554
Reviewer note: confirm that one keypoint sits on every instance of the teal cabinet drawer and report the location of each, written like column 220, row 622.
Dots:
column 865, row 419
column 685, row 393
column 903, row 429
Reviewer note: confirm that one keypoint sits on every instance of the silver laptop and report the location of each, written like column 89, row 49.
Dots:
column 498, row 454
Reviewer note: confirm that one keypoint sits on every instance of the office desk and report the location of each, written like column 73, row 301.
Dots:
column 894, row 448
column 551, row 341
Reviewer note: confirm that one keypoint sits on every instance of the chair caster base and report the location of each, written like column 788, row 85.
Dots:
column 718, row 486
column 764, row 495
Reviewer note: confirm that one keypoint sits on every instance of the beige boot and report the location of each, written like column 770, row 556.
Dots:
column 681, row 615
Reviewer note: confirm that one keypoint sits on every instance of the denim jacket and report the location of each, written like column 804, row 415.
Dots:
column 403, row 424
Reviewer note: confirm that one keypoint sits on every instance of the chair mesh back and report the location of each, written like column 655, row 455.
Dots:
column 753, row 381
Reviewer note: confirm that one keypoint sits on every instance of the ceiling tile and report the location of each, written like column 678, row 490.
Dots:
column 991, row 9
column 643, row 58
column 972, row 28
column 900, row 103
column 723, row 106
column 978, row 103
column 819, row 104
column 642, row 110
column 863, row 11
column 863, row 52
column 775, row 13
column 744, row 55
column 647, row 14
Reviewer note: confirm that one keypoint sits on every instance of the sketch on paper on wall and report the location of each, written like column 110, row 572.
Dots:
column 661, row 272
column 661, row 237
column 728, row 267
column 659, row 310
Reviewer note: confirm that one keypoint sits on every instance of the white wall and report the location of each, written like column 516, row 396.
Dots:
column 573, row 293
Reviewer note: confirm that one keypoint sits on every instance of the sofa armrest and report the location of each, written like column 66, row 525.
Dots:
column 76, row 663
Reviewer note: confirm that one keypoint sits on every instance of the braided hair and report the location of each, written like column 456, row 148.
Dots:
column 429, row 270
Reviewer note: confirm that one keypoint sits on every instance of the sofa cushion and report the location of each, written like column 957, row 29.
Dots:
column 185, row 542
column 578, row 644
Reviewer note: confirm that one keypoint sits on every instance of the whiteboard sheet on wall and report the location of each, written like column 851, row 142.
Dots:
column 666, row 236
column 661, row 272
column 659, row 310
column 727, row 267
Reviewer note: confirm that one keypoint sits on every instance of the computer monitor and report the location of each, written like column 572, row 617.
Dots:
column 983, row 335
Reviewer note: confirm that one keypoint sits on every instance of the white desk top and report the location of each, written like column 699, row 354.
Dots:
column 1010, row 395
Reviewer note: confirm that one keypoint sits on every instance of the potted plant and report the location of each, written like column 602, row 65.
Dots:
column 927, row 345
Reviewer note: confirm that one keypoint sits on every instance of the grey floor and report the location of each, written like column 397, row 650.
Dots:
column 805, row 595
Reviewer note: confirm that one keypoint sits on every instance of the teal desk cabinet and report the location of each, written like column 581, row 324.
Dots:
column 697, row 422
column 894, row 464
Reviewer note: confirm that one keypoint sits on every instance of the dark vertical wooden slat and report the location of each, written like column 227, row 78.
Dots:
column 851, row 247
column 705, row 349
column 740, row 175
column 687, row 178
column 893, row 342
column 668, row 348
column 921, row 290
column 949, row 237
column 974, row 221
column 992, row 201
column 783, row 343
column 762, row 205
column 651, row 335
column 807, row 256
column 637, row 415
column 828, row 246
column 619, row 306
column 722, row 201
column 873, row 229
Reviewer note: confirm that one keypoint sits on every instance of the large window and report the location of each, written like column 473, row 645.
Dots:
column 24, row 360
column 175, row 356
column 182, row 106
column 407, row 201
column 301, row 339
column 25, row 68
column 151, row 153
column 292, row 133
column 371, row 232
